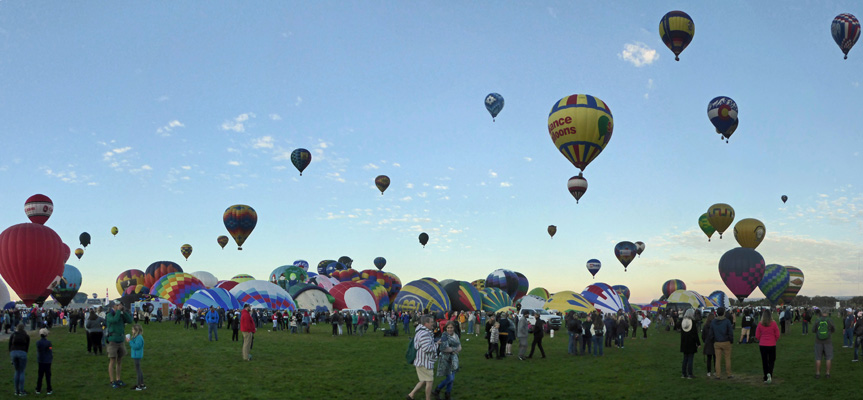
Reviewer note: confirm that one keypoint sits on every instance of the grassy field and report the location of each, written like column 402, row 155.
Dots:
column 181, row 364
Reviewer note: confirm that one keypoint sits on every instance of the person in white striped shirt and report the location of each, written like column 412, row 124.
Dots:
column 425, row 358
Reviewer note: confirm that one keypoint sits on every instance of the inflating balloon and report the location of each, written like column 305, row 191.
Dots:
column 593, row 266
column 347, row 261
column 302, row 264
column 749, row 232
column 795, row 282
column 677, row 30
column 493, row 103
column 186, row 250
column 421, row 295
column 380, row 263
column 722, row 112
column 622, row 291
column 580, row 126
column 217, row 298
column 720, row 216
column 84, row 238
column 846, row 30
column 705, row 226
column 242, row 278
column 68, row 287
column 603, row 297
column 552, row 230
column 301, row 158
column 424, row 239
column 263, row 294
column 132, row 277
column 209, row 280
column 479, row 284
column 463, row 296
column 322, row 267
column 31, row 257
column 719, row 298
column 577, row 185
column 568, row 300
column 382, row 182
column 539, row 292
column 625, row 253
column 79, row 252
column 176, row 287
column 505, row 280
column 672, row 285
column 157, row 270
column 742, row 270
column 784, row 198
column 523, row 286
column 774, row 282
column 240, row 221
column 222, row 240
column 493, row 299
column 38, row 208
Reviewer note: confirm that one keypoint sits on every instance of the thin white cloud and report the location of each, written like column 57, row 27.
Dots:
column 528, row 159
column 440, row 187
column 336, row 177
column 409, row 186
column 234, row 163
column 186, row 167
column 232, row 150
column 275, row 117
column 505, row 184
column 122, row 150
column 406, row 198
column 370, row 166
column 265, row 142
column 395, row 164
column 146, row 167
column 238, row 124
column 298, row 102
column 492, row 174
column 167, row 129
column 638, row 54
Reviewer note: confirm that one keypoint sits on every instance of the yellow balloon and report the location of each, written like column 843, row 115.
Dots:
column 721, row 216
column 114, row 231
column 580, row 127
column 749, row 232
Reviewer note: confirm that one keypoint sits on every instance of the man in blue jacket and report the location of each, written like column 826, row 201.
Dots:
column 723, row 334
column 213, row 324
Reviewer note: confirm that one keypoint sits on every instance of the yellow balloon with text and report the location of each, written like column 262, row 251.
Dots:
column 580, row 126
column 720, row 216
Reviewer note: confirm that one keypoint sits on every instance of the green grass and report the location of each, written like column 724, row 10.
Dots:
column 181, row 364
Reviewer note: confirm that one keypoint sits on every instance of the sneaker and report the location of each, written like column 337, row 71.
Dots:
column 50, row 392
column 144, row 387
column 708, row 374
column 36, row 391
column 139, row 388
column 23, row 393
column 769, row 378
column 854, row 360
column 121, row 383
column 682, row 376
column 689, row 377
column 114, row 385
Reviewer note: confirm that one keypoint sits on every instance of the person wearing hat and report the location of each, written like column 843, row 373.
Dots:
column 46, row 356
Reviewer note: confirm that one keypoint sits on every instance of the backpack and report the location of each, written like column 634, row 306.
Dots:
column 411, row 353
column 823, row 330
column 598, row 332
column 858, row 330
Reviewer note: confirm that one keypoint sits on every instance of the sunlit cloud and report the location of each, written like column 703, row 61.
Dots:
column 492, row 174
column 234, row 163
column 638, row 54
column 275, row 117
column 238, row 123
column 440, row 187
column 265, row 142
column 505, row 184
column 370, row 166
column 167, row 129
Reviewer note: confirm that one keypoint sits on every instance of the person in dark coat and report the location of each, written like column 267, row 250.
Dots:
column 689, row 342
column 707, row 339
column 622, row 327
column 610, row 325
column 538, row 333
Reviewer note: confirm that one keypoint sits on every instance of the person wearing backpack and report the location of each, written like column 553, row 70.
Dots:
column 823, row 344
column 597, row 330
column 767, row 334
column 858, row 333
column 723, row 336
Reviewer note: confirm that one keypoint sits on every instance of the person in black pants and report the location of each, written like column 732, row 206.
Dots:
column 538, row 333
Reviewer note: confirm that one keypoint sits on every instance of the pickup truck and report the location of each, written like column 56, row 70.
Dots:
column 552, row 320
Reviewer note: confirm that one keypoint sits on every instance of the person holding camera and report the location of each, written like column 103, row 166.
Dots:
column 116, row 322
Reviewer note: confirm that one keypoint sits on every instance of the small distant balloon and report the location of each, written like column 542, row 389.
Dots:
column 722, row 112
column 720, row 216
column 424, row 238
column 114, row 231
column 639, row 248
column 493, row 103
column 382, row 182
column 240, row 221
column 784, row 199
column 380, row 262
column 705, row 226
column 38, row 208
column 676, row 30
column 301, row 158
column 846, row 30
column 552, row 230
column 222, row 240
column 186, row 250
column 577, row 186
column 593, row 265
column 79, row 252
column 84, row 238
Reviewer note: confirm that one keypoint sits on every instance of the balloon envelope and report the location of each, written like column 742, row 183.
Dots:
column 263, row 294
column 603, row 297
column 382, row 182
column 84, row 238
column 132, row 277
column 114, row 231
column 705, row 226
column 568, row 300
column 749, row 232
column 209, row 280
column 774, row 282
column 38, row 208
column 845, row 30
column 158, row 269
column 722, row 112
column 719, row 299
column 552, row 230
column 505, row 280
column 380, row 262
column 784, row 199
column 795, row 282
column 580, row 126
column 539, row 292
column 577, row 186
column 625, row 253
column 622, row 291
column 720, row 216
column 741, row 269
column 68, row 287
column 217, row 298
column 493, row 299
column 424, row 239
column 240, row 221
column 463, row 296
column 672, row 285
column 32, row 256
column 186, row 250
column 593, row 266
column 493, row 103
column 301, row 158
column 420, row 295
column 176, row 287
column 222, row 240
column 676, row 30
column 311, row 297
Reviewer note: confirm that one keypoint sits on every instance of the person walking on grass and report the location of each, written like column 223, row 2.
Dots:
column 848, row 329
column 247, row 326
column 425, row 357
column 19, row 345
column 116, row 322
column 858, row 333
column 723, row 336
column 689, row 342
column 538, row 333
column 823, row 342
column 708, row 339
column 767, row 334
column 449, row 347
column 521, row 333
column 45, row 357
column 136, row 343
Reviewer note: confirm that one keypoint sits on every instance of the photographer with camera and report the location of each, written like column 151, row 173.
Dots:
column 116, row 321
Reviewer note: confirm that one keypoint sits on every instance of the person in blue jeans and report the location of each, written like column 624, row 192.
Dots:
column 19, row 344
column 597, row 331
column 213, row 324
column 848, row 329
column 573, row 326
column 406, row 320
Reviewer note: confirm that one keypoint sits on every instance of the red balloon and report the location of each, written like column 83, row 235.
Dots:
column 38, row 208
column 32, row 256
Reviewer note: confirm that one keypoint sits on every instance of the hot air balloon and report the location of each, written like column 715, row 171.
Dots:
column 677, row 30
column 463, row 296
column 580, row 126
column 479, row 284
column 186, row 250
column 84, row 238
column 424, row 238
column 784, row 198
column 568, row 300
column 577, row 185
column 539, row 292
column 774, row 282
column 227, row 285
column 301, row 158
column 222, row 240
column 79, row 252
column 795, row 282
column 380, row 294
column 603, row 297
column 240, row 221
column 263, row 294
column 240, row 278
column 312, row 297
column 132, row 277
column 346, row 275
column 218, row 298
column 741, row 269
column 523, row 286
column 302, row 264
column 493, row 299
column 68, row 287
column 322, row 267
column 719, row 298
column 672, row 285
column 38, row 208
column 335, row 266
column 622, row 291
column 157, row 270
column 639, row 248
column 382, row 182
column 493, row 103
column 749, row 232
column 846, row 30
column 625, row 253
column 347, row 261
column 722, row 112
column 420, row 295
column 380, row 262
column 31, row 257
column 720, row 216
column 552, row 230
column 209, row 280
column 705, row 226
column 505, row 280
column 593, row 266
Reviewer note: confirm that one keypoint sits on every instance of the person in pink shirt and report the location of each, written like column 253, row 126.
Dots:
column 767, row 333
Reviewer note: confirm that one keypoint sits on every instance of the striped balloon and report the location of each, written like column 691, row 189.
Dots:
column 421, row 295
column 523, row 286
column 503, row 279
column 177, row 287
column 380, row 293
column 568, row 300
column 218, row 298
column 494, row 299
column 463, row 296
column 720, row 299
column 672, row 285
column 774, row 282
column 622, row 291
column 540, row 292
column 795, row 282
column 603, row 297
column 263, row 294
column 845, row 30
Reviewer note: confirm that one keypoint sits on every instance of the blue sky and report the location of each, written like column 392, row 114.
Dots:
column 156, row 118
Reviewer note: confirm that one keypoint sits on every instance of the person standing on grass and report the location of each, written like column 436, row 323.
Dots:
column 425, row 357
column 235, row 327
column 645, row 323
column 45, row 357
column 19, row 345
column 848, row 329
column 521, row 333
column 689, row 342
column 489, row 327
column 610, row 326
column 806, row 319
column 823, row 342
column 767, row 334
column 574, row 329
column 586, row 336
column 723, row 336
column 597, row 331
column 213, row 324
column 503, row 334
column 136, row 343
column 707, row 337
column 858, row 333
column 538, row 333
column 116, row 322
column 621, row 329
column 633, row 322
column 247, row 326
column 449, row 346
column 745, row 326
column 93, row 326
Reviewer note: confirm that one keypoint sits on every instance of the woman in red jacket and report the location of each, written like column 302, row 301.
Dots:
column 247, row 326
column 767, row 333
